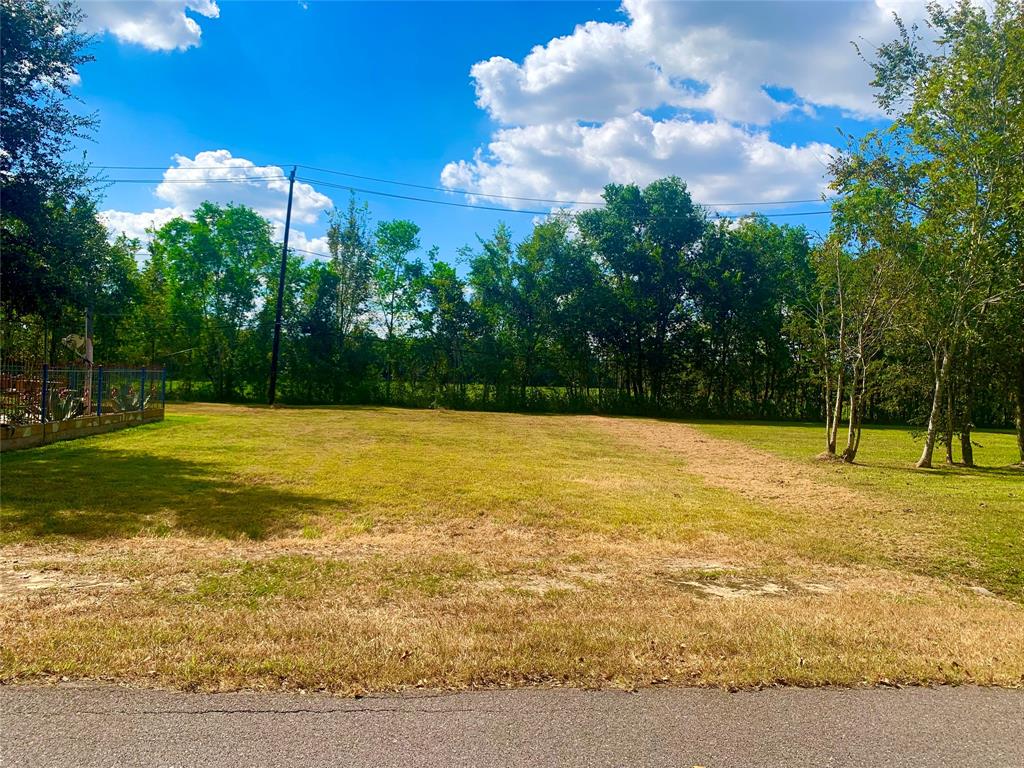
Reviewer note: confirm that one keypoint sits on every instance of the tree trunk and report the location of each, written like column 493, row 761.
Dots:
column 966, row 447
column 828, row 410
column 857, row 389
column 389, row 354
column 1019, row 409
column 837, row 412
column 949, row 424
column 850, row 451
column 941, row 376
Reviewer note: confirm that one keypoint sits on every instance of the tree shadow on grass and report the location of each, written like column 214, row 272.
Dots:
column 86, row 493
column 940, row 469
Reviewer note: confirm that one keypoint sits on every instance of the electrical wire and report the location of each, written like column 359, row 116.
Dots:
column 190, row 181
column 479, row 193
column 467, row 192
column 493, row 208
column 452, row 190
column 308, row 253
column 184, row 168
column 396, row 196
column 412, row 198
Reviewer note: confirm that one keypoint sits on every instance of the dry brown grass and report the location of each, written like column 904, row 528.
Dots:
column 756, row 475
column 574, row 551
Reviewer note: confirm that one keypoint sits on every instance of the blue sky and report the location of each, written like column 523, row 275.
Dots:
column 540, row 99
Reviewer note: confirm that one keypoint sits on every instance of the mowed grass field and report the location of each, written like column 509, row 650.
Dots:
column 361, row 549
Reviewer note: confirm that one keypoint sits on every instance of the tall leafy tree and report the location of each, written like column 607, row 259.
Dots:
column 572, row 292
column 318, row 366
column 447, row 320
column 951, row 155
column 395, row 284
column 491, row 283
column 47, row 223
column 221, row 264
column 746, row 283
column 865, row 276
column 533, row 301
column 352, row 261
column 642, row 241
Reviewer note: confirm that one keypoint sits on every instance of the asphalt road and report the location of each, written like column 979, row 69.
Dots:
column 83, row 726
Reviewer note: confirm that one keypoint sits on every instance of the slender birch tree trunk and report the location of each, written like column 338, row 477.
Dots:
column 949, row 424
column 837, row 411
column 849, row 454
column 941, row 377
column 827, row 376
column 966, row 446
column 828, row 405
column 1019, row 409
column 858, row 387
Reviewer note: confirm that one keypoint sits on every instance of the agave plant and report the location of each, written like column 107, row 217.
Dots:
column 128, row 400
column 20, row 408
column 124, row 400
column 65, row 404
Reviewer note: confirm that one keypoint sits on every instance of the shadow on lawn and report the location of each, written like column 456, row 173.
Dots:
column 87, row 493
column 940, row 468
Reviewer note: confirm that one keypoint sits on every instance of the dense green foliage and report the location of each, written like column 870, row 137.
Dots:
column 56, row 258
column 935, row 202
column 605, row 312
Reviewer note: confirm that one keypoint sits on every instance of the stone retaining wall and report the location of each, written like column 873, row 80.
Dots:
column 15, row 438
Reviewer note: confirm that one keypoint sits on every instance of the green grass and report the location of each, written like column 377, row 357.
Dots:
column 257, row 474
column 977, row 513
column 376, row 548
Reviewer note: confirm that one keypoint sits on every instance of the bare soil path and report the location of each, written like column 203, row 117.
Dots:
column 756, row 475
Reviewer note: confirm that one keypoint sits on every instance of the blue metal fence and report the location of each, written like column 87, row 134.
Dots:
column 39, row 394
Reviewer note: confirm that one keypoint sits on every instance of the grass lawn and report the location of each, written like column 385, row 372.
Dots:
column 356, row 549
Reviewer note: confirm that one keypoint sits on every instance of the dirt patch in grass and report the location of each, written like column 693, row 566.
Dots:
column 806, row 508
column 536, row 584
column 758, row 476
column 740, row 586
column 18, row 580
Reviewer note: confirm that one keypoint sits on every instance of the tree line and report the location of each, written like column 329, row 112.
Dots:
column 910, row 310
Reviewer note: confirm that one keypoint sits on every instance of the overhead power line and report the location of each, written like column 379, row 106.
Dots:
column 191, row 181
column 495, row 208
column 480, row 193
column 412, row 198
column 308, row 253
column 451, row 190
column 772, row 215
column 183, row 168
column 482, row 207
column 396, row 196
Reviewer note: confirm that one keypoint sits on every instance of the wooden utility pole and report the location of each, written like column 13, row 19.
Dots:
column 276, row 354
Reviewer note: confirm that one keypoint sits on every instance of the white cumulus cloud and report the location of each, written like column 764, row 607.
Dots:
column 135, row 225
column 159, row 25
column 567, row 161
column 685, row 88
column 219, row 177
column 718, row 57
column 593, row 74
